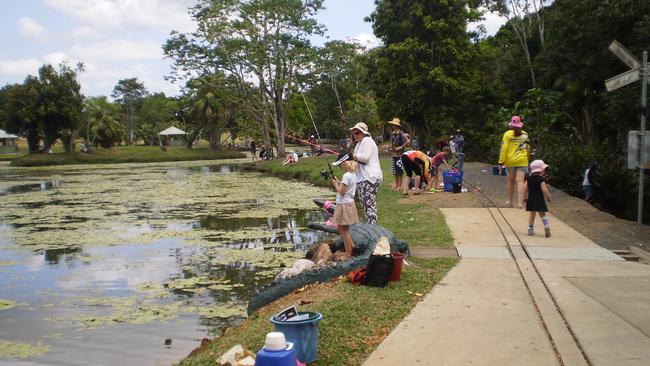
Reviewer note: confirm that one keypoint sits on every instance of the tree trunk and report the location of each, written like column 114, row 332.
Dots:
column 32, row 141
column 213, row 138
column 192, row 137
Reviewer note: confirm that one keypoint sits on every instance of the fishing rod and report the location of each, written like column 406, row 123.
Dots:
column 310, row 143
column 320, row 141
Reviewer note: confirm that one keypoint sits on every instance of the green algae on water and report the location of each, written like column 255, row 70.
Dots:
column 21, row 350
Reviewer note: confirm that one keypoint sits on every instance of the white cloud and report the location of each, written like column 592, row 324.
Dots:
column 100, row 78
column 118, row 50
column 148, row 14
column 85, row 32
column 30, row 29
column 367, row 40
column 19, row 68
column 55, row 58
column 491, row 21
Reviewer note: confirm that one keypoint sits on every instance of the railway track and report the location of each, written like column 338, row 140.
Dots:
column 568, row 350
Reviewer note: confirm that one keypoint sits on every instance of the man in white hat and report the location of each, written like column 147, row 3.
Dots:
column 399, row 142
column 369, row 175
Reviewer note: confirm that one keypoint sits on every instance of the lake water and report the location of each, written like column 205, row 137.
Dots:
column 136, row 263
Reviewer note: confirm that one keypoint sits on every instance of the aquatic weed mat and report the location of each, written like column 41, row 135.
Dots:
column 133, row 247
column 144, row 203
column 355, row 318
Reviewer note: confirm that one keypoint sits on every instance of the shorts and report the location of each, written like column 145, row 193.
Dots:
column 515, row 169
column 397, row 166
column 412, row 166
column 345, row 214
column 433, row 170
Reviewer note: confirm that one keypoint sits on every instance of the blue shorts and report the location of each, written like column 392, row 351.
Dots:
column 397, row 167
column 515, row 169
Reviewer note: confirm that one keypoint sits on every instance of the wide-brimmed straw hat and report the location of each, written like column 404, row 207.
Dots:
column 343, row 157
column 515, row 122
column 537, row 166
column 361, row 127
column 395, row 122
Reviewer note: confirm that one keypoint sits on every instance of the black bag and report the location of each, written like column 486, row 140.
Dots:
column 380, row 268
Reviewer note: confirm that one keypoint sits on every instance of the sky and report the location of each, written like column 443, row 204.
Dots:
column 120, row 39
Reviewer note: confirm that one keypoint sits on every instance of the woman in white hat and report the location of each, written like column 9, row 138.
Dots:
column 369, row 175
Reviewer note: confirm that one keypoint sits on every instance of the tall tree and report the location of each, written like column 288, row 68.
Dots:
column 425, row 72
column 61, row 104
column 129, row 93
column 45, row 108
column 525, row 18
column 264, row 44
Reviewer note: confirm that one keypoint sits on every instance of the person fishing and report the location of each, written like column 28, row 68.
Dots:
column 345, row 212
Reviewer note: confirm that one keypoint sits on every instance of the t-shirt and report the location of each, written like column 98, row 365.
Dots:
column 398, row 140
column 438, row 159
column 515, row 150
column 350, row 180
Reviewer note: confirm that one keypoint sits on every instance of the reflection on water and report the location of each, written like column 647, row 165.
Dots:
column 23, row 188
column 136, row 263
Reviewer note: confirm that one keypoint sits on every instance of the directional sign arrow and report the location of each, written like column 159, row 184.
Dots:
column 623, row 79
column 625, row 55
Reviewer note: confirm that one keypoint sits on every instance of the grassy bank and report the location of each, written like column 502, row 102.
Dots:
column 355, row 318
column 125, row 154
column 417, row 224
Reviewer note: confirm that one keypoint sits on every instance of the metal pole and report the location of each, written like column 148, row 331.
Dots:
column 644, row 92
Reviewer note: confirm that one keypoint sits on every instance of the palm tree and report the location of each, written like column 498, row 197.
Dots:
column 102, row 122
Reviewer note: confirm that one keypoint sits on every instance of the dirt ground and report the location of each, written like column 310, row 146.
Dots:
column 603, row 228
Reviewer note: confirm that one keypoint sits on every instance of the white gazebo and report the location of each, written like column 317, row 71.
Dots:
column 171, row 131
column 8, row 142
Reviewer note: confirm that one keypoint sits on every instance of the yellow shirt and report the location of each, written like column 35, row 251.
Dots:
column 515, row 150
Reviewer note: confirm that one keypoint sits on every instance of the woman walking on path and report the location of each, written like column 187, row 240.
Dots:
column 538, row 194
column 515, row 152
column 369, row 175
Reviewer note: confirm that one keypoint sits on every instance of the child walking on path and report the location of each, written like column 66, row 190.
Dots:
column 345, row 213
column 538, row 194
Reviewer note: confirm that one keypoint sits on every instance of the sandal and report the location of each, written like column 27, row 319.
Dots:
column 405, row 193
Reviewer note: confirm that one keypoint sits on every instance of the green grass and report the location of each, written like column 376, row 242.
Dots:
column 355, row 318
column 417, row 224
column 125, row 154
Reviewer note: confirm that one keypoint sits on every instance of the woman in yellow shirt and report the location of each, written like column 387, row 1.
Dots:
column 515, row 153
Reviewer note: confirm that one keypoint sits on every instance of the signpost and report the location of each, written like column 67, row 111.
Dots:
column 638, row 70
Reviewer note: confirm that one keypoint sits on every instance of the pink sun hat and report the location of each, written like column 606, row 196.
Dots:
column 515, row 122
column 538, row 166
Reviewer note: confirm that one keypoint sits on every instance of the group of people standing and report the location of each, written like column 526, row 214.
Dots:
column 425, row 167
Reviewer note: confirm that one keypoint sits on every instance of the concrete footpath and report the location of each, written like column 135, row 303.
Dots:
column 561, row 300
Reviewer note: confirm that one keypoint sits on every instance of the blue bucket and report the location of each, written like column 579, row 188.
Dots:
column 495, row 171
column 303, row 334
column 449, row 178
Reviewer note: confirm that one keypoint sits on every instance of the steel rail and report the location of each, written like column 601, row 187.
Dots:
column 488, row 203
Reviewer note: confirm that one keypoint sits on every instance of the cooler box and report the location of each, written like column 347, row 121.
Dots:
column 449, row 178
